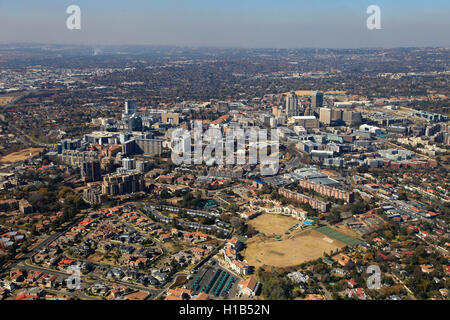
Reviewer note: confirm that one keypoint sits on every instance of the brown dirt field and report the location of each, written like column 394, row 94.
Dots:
column 300, row 247
column 4, row 100
column 95, row 257
column 20, row 155
column 271, row 224
column 178, row 282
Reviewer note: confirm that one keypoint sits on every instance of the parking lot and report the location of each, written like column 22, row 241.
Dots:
column 214, row 280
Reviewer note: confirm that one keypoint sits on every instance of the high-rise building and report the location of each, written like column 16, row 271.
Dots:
column 292, row 105
column 325, row 115
column 93, row 195
column 142, row 146
column 135, row 123
column 90, row 171
column 123, row 183
column 129, row 163
column 336, row 115
column 351, row 117
column 130, row 107
column 317, row 99
column 68, row 144
column 149, row 146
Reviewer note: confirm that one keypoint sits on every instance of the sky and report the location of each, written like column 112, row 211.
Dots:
column 229, row 23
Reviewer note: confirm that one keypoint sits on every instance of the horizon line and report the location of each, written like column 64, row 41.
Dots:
column 215, row 46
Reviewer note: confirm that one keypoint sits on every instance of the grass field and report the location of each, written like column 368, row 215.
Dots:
column 300, row 247
column 333, row 233
column 273, row 224
column 20, row 155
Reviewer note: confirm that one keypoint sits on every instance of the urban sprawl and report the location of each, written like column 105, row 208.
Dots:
column 92, row 206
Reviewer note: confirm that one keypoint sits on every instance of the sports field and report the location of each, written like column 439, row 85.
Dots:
column 332, row 233
column 273, row 224
column 20, row 155
column 292, row 250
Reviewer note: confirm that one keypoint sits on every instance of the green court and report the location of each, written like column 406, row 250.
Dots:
column 338, row 236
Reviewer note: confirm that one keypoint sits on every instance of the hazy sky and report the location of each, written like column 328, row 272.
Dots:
column 242, row 23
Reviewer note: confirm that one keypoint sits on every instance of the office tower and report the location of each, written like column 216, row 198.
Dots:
column 351, row 117
column 68, row 144
column 90, row 171
column 292, row 105
column 317, row 99
column 135, row 123
column 336, row 115
column 325, row 115
column 130, row 107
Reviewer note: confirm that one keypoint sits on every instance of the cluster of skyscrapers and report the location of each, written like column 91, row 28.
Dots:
column 294, row 108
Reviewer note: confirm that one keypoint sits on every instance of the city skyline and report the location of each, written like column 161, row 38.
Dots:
column 236, row 152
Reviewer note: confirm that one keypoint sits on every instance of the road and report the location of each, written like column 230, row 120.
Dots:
column 294, row 161
column 398, row 280
column 326, row 292
column 26, row 139
column 75, row 294
column 43, row 244
column 202, row 262
column 166, row 287
column 88, row 278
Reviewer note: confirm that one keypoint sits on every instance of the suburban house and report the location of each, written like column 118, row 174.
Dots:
column 248, row 287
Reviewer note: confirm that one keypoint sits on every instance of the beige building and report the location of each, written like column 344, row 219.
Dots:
column 172, row 118
column 123, row 183
column 307, row 122
column 325, row 115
